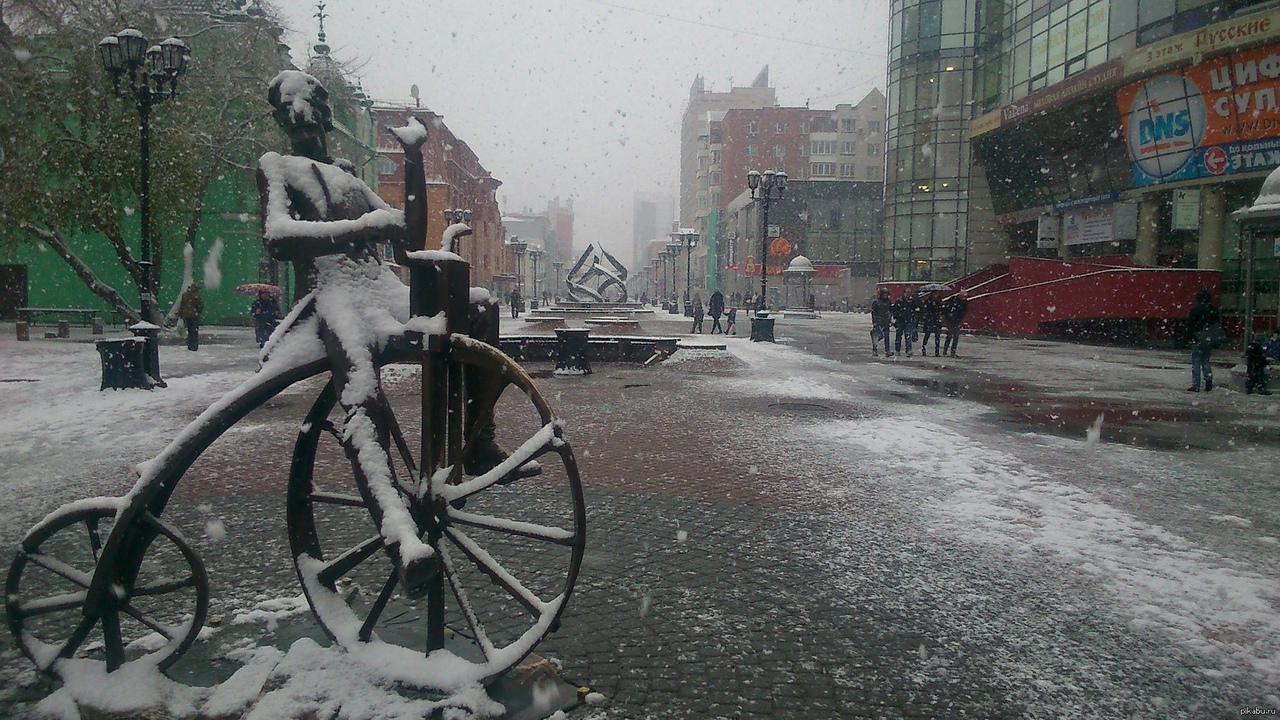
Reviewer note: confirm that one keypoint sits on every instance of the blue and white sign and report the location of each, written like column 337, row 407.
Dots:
column 1166, row 124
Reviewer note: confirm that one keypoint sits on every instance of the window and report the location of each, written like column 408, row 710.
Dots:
column 822, row 147
column 847, row 170
column 824, row 124
column 804, row 128
column 753, row 128
column 779, row 151
column 848, row 124
column 833, row 220
column 780, row 127
column 848, row 148
column 873, row 149
column 873, row 126
column 752, row 151
column 387, row 166
column 804, row 149
column 822, row 169
column 873, row 172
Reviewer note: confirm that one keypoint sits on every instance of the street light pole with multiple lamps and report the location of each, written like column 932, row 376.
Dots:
column 763, row 186
column 153, row 74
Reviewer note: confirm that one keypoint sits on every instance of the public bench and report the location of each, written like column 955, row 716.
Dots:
column 63, row 318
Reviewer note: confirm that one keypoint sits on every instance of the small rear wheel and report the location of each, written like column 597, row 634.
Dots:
column 508, row 546
column 153, row 614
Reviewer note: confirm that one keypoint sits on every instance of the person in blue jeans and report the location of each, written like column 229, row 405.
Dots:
column 1202, row 316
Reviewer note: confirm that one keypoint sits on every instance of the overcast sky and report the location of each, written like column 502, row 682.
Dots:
column 582, row 99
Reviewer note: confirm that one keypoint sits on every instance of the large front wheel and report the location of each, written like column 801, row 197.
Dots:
column 508, row 547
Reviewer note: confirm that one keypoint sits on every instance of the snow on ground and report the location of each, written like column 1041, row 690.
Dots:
column 1022, row 499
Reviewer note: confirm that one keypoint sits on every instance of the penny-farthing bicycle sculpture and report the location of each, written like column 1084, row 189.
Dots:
column 431, row 571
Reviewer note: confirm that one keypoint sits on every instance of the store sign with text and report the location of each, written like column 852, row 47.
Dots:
column 1219, row 117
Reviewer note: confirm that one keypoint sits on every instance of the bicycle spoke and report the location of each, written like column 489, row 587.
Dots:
column 347, row 561
column 57, row 603
column 496, row 572
column 164, row 587
column 380, row 604
column 111, row 636
column 95, row 541
column 60, row 568
column 464, row 603
column 556, row 535
column 73, row 643
column 155, row 627
column 332, row 498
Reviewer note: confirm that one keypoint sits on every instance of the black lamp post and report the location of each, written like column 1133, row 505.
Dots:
column 518, row 247
column 763, row 186
column 689, row 239
column 535, row 254
column 153, row 74
column 558, row 267
column 673, row 251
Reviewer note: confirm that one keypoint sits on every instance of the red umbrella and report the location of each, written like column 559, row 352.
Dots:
column 255, row 288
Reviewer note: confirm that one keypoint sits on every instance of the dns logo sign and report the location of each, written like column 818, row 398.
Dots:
column 1166, row 124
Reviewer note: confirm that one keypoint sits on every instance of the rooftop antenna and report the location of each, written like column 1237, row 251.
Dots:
column 413, row 93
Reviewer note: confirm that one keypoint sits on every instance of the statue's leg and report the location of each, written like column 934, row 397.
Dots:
column 366, row 439
column 486, row 453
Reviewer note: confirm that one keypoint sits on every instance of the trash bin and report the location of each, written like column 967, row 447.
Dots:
column 571, row 352
column 24, row 331
column 762, row 329
column 123, row 363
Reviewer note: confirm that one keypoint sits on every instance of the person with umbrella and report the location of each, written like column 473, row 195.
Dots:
column 266, row 315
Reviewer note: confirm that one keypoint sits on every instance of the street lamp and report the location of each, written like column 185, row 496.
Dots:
column 535, row 254
column 153, row 78
column 690, row 240
column 518, row 247
column 557, row 266
column 673, row 251
column 763, row 186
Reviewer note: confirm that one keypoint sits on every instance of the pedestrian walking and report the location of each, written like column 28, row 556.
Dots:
column 953, row 310
column 881, row 321
column 266, row 316
column 930, row 323
column 903, row 313
column 731, row 322
column 516, row 304
column 1204, row 331
column 1255, row 369
column 190, row 307
column 697, row 314
column 715, row 308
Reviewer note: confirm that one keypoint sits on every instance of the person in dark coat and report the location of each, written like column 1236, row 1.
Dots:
column 1255, row 369
column 266, row 315
column 715, row 308
column 1202, row 316
column 517, row 303
column 931, row 323
column 698, row 314
column 190, row 307
column 953, row 310
column 881, row 320
column 903, row 312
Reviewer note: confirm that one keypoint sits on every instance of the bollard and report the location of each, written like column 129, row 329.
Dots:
column 96, row 325
column 64, row 329
column 571, row 352
column 24, row 331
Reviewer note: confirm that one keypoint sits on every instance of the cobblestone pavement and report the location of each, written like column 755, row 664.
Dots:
column 731, row 572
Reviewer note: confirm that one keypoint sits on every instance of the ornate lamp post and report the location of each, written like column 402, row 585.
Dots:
column 558, row 266
column 673, row 251
column 153, row 74
column 535, row 254
column 518, row 247
column 763, row 188
column 689, row 239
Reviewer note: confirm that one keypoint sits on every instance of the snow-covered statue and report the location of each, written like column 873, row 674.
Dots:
column 329, row 224
column 610, row 280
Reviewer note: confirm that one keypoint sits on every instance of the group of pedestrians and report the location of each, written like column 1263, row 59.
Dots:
column 1205, row 334
column 716, row 309
column 909, row 315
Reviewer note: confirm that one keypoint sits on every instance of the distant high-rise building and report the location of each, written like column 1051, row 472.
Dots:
column 651, row 220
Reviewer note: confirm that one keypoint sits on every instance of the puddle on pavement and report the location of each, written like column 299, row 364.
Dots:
column 1072, row 416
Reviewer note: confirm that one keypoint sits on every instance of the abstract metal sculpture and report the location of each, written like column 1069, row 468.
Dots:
column 611, row 279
